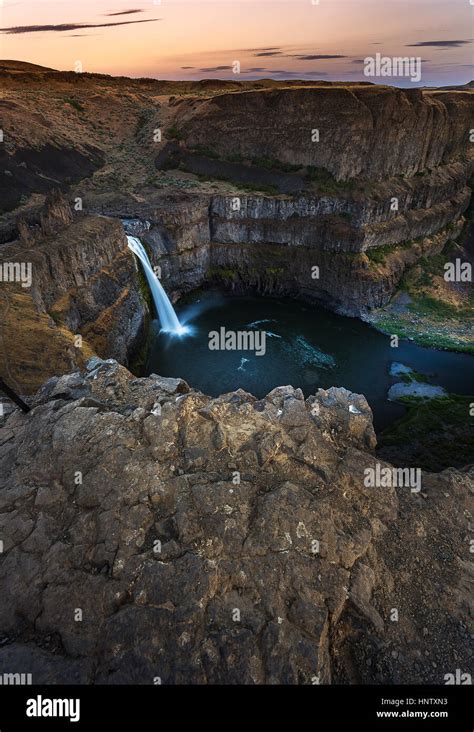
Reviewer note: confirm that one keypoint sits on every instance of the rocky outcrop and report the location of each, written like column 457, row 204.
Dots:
column 153, row 534
column 56, row 215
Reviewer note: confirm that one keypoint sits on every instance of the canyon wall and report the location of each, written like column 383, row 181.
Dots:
column 273, row 244
column 390, row 213
column 370, row 131
column 83, row 282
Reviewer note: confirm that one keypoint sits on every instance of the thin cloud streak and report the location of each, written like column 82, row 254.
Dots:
column 216, row 68
column 317, row 57
column 124, row 12
column 440, row 44
column 66, row 27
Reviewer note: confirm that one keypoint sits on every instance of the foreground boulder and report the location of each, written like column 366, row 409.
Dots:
column 152, row 534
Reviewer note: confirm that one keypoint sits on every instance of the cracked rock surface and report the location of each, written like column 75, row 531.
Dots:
column 152, row 532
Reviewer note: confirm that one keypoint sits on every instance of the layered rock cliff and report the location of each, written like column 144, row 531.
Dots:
column 272, row 245
column 373, row 132
column 153, row 534
column 83, row 283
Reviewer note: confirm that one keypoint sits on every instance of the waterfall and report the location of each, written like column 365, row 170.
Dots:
column 168, row 318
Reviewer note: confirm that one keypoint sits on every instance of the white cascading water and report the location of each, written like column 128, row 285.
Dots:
column 168, row 318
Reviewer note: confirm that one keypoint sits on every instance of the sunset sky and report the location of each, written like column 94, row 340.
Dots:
column 192, row 39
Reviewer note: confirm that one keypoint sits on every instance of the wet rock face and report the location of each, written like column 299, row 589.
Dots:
column 151, row 532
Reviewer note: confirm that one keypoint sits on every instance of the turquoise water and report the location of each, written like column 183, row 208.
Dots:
column 305, row 346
